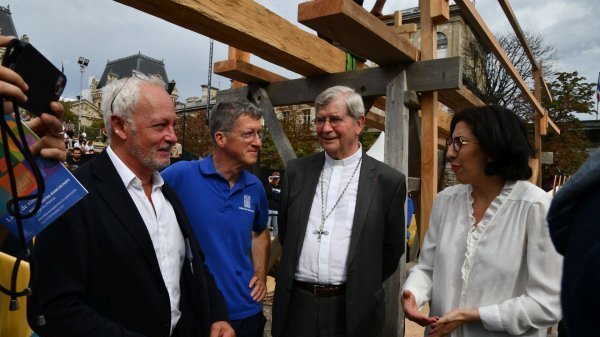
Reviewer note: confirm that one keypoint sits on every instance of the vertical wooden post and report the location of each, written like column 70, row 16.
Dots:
column 237, row 54
column 537, row 162
column 396, row 155
column 429, row 123
column 282, row 143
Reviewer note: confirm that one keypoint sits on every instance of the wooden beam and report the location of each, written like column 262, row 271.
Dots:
column 478, row 25
column 396, row 155
column 355, row 28
column 536, row 164
column 282, row 143
column 406, row 28
column 547, row 91
column 375, row 121
column 368, row 82
column 444, row 120
column 440, row 11
column 426, row 76
column 459, row 99
column 512, row 19
column 251, row 27
column 429, row 118
column 435, row 75
column 413, row 184
column 233, row 93
column 241, row 71
column 556, row 129
column 237, row 54
column 544, row 124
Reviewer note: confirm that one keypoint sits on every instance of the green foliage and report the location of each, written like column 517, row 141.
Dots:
column 269, row 157
column 301, row 135
column 192, row 132
column 95, row 130
column 367, row 138
column 69, row 115
column 571, row 95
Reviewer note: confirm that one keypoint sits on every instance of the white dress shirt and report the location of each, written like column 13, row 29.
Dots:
column 507, row 267
column 324, row 261
column 161, row 222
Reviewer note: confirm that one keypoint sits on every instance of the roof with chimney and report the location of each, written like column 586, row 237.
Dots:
column 122, row 67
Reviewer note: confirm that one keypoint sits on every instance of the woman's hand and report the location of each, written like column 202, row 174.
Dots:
column 12, row 85
column 48, row 127
column 452, row 320
column 411, row 310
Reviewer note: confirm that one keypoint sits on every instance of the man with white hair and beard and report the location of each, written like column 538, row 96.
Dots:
column 124, row 261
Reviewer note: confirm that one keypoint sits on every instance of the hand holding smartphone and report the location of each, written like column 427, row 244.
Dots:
column 46, row 83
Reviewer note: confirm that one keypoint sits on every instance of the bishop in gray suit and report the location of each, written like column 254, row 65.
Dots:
column 342, row 228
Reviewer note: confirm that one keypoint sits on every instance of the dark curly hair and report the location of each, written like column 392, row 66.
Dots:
column 503, row 137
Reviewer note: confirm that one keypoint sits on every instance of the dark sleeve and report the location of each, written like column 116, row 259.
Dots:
column 59, row 278
column 395, row 230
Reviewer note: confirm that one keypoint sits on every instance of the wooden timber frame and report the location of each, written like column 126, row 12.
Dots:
column 404, row 71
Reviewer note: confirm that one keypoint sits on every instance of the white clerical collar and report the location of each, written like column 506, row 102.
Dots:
column 346, row 161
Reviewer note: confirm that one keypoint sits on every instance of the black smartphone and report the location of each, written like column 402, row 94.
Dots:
column 46, row 83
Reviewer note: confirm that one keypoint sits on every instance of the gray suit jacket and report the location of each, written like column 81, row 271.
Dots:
column 377, row 241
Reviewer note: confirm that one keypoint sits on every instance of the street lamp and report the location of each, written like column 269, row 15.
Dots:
column 83, row 63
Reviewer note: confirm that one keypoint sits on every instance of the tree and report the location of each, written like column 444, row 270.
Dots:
column 300, row 132
column 571, row 95
column 94, row 132
column 486, row 77
column 68, row 115
column 193, row 134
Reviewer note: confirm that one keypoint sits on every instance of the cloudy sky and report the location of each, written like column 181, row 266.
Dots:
column 103, row 30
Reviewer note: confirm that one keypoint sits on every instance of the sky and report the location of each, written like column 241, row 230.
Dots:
column 102, row 30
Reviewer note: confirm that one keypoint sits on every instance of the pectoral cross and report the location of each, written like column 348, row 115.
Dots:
column 319, row 232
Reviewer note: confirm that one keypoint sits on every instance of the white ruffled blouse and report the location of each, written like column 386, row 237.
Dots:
column 506, row 267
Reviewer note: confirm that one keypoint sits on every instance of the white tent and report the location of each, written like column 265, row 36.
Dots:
column 376, row 150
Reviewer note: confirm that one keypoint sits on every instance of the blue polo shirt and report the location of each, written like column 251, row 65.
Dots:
column 222, row 219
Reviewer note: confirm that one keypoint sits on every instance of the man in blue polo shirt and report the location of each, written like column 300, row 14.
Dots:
column 227, row 207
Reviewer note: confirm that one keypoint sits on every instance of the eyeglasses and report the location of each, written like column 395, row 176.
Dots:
column 135, row 73
column 457, row 143
column 250, row 135
column 333, row 121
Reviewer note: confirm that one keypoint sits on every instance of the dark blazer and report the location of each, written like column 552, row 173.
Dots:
column 575, row 231
column 97, row 272
column 376, row 244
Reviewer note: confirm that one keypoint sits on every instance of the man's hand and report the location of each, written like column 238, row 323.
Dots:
column 259, row 288
column 49, row 128
column 452, row 320
column 411, row 310
column 221, row 329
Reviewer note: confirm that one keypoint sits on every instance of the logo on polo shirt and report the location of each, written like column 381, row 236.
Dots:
column 247, row 204
column 247, row 201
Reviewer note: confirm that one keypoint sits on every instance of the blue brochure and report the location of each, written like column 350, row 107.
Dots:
column 62, row 189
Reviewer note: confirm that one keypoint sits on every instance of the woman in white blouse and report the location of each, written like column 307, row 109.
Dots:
column 487, row 266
